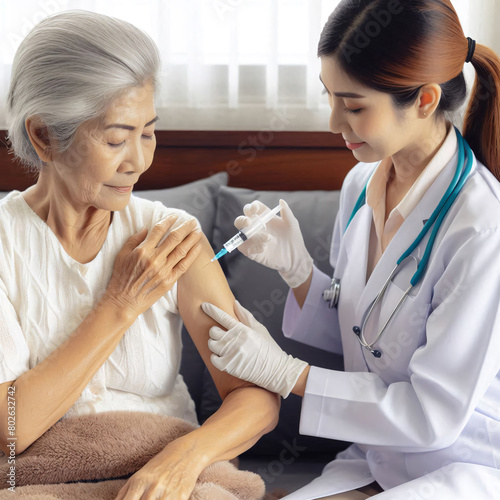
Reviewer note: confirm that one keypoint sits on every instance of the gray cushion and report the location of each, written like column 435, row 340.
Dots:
column 263, row 292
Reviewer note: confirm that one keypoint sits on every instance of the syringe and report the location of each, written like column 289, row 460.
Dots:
column 247, row 232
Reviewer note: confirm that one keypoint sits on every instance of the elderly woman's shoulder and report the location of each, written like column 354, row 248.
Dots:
column 6, row 197
column 149, row 212
column 13, row 209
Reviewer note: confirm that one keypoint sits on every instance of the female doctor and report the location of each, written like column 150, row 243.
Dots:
column 420, row 395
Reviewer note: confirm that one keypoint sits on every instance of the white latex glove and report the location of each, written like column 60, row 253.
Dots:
column 248, row 352
column 279, row 246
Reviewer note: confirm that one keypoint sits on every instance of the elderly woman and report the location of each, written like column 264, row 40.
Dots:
column 92, row 291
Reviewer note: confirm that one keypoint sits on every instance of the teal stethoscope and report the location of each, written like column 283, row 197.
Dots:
column 464, row 167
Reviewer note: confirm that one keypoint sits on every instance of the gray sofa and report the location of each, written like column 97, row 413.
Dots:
column 284, row 458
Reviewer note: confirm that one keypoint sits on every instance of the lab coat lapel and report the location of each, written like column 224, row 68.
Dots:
column 357, row 239
column 405, row 236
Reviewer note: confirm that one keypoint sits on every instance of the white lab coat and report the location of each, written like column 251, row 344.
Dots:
column 425, row 417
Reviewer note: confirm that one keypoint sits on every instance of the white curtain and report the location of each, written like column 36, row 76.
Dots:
column 229, row 64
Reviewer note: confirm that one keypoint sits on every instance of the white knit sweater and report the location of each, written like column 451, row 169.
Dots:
column 45, row 294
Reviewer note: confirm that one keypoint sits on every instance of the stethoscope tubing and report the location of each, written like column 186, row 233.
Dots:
column 360, row 333
column 441, row 210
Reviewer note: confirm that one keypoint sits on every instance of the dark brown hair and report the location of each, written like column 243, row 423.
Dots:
column 397, row 46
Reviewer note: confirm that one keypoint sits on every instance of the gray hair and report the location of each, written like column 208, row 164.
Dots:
column 68, row 70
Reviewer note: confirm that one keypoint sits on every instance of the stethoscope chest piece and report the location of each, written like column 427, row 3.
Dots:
column 333, row 293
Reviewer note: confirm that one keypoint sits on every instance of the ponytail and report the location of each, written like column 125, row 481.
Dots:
column 482, row 118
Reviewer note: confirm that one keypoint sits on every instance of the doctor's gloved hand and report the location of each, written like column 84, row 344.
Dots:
column 247, row 351
column 279, row 246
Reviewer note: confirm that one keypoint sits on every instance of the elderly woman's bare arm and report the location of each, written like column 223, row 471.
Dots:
column 247, row 411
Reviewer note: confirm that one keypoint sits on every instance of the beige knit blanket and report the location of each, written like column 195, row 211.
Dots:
column 107, row 446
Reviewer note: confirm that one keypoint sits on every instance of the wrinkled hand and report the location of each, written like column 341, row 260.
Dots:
column 172, row 474
column 279, row 246
column 247, row 351
column 145, row 269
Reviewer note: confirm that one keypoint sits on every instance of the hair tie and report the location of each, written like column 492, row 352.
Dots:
column 472, row 48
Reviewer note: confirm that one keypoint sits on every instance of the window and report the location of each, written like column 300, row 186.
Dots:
column 227, row 64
